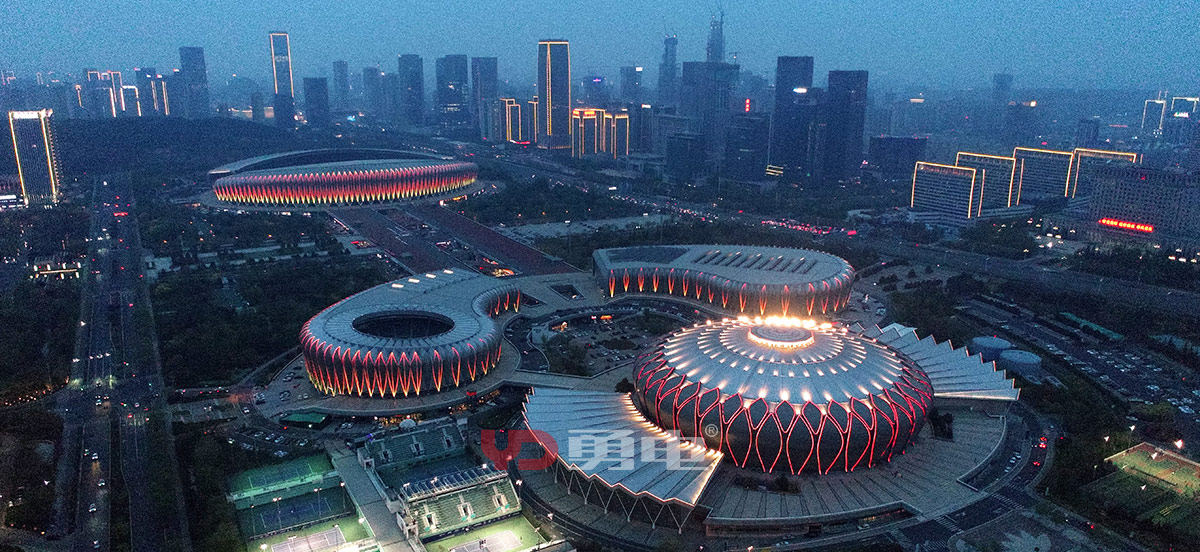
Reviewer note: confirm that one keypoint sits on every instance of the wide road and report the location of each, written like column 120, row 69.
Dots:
column 413, row 253
column 514, row 254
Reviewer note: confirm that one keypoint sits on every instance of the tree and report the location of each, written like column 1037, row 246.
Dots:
column 625, row 386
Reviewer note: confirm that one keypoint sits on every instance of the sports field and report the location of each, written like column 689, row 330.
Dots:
column 323, row 537
column 1163, row 465
column 269, row 478
column 509, row 535
column 1152, row 485
column 293, row 512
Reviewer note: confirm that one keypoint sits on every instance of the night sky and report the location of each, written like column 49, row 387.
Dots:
column 1096, row 44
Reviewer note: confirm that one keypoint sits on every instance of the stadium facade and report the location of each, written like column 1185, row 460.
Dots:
column 423, row 334
column 338, row 177
column 757, row 281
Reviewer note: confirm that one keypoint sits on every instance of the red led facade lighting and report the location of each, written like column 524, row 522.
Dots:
column 784, row 396
column 345, row 185
column 1127, row 225
column 378, row 344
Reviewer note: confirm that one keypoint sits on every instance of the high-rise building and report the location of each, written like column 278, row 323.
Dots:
column 1086, row 165
column 37, row 161
column 143, row 79
column 995, row 175
column 1002, row 84
column 944, row 194
column 485, row 88
column 668, row 73
column 341, row 85
column 554, row 95
column 795, row 111
column 1087, row 133
column 746, row 146
column 894, row 157
column 257, row 109
column 617, row 124
column 641, row 134
column 685, row 156
column 450, row 96
column 595, row 90
column 1144, row 203
column 392, row 96
column 161, row 96
column 411, row 70
column 1041, row 174
column 1185, row 104
column 511, row 120
column 631, row 84
column 373, row 93
column 715, row 49
column 845, row 120
column 706, row 98
column 316, row 101
column 588, row 135
column 1153, row 113
column 193, row 76
column 131, row 100
column 285, row 86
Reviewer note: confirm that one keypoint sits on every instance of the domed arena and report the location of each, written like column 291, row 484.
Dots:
column 784, row 394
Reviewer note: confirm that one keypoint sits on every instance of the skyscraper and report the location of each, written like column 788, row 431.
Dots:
column 485, row 89
column 995, row 176
column 715, row 50
column 1087, row 133
column 143, row 79
column 316, row 101
column 37, row 161
column 1088, row 163
column 668, row 73
column 893, row 157
column 595, row 90
column 1041, row 174
column 451, row 93
column 341, row 85
column 794, row 115
column 411, row 70
column 945, row 194
column 281, row 69
column 631, row 84
column 193, row 75
column 746, row 148
column 844, row 118
column 706, row 99
column 372, row 83
column 554, row 93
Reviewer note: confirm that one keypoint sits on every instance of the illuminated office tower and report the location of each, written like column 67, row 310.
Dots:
column 1041, row 174
column 706, row 99
column 193, row 76
column 587, row 132
column 341, row 85
column 143, row 78
column 945, row 194
column 1153, row 113
column 845, row 115
column 529, row 121
column 995, row 175
column 1135, row 201
column 37, row 161
column 1085, row 166
column 281, row 69
column 618, row 133
column 161, row 96
column 117, row 83
column 411, row 69
column 493, row 125
column 316, row 101
column 513, row 130
column 795, row 112
column 485, row 88
column 1185, row 104
column 668, row 73
column 130, row 98
column 554, row 93
column 631, row 84
column 450, row 96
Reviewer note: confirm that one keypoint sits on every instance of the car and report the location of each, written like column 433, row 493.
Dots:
column 101, row 483
column 92, row 508
column 95, row 456
column 95, row 545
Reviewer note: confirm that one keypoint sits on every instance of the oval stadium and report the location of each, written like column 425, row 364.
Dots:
column 422, row 334
column 750, row 280
column 338, row 177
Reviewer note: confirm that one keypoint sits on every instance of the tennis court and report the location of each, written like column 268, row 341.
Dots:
column 316, row 542
column 294, row 512
column 267, row 478
column 514, row 533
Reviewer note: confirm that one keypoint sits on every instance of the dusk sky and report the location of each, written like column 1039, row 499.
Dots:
column 1104, row 44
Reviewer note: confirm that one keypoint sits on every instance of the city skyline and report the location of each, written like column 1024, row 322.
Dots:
column 927, row 46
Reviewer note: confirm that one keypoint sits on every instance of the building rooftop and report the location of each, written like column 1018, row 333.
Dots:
column 749, row 264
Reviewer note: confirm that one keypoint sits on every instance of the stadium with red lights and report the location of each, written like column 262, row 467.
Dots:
column 317, row 179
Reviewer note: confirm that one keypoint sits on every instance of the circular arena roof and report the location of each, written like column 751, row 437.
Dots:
column 426, row 333
column 334, row 177
column 751, row 280
column 784, row 394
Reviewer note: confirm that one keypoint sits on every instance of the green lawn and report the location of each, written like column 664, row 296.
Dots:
column 518, row 525
column 351, row 529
